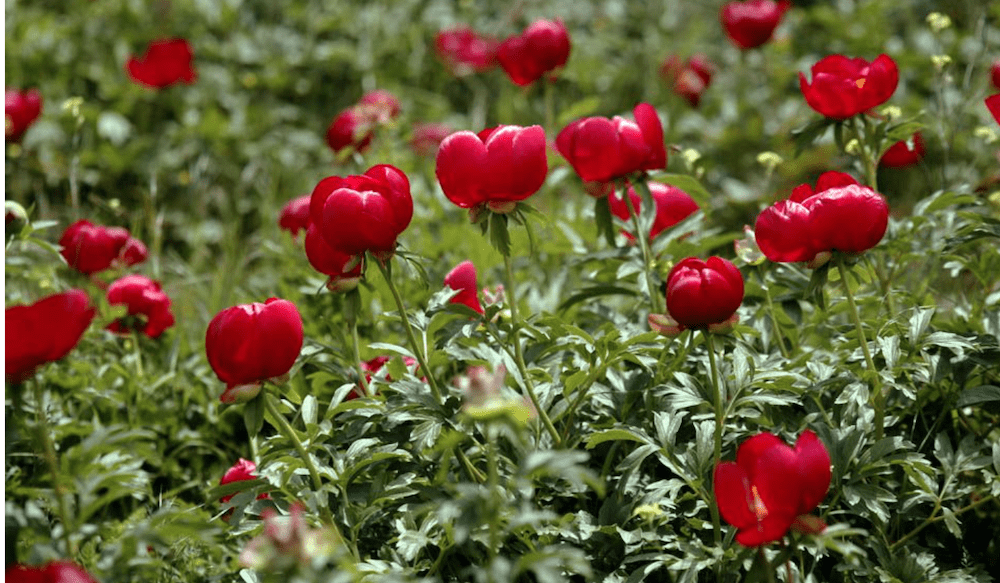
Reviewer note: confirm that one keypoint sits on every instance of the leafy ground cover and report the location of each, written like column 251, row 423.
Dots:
column 760, row 346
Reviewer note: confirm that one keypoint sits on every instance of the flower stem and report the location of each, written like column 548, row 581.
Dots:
column 354, row 297
column 643, row 238
column 719, row 419
column 529, row 386
column 418, row 352
column 49, row 452
column 878, row 397
column 778, row 336
column 867, row 156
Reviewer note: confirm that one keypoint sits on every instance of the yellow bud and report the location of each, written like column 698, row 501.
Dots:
column 938, row 21
column 940, row 61
column 892, row 112
column 690, row 156
column 72, row 105
column 853, row 147
column 769, row 160
column 985, row 133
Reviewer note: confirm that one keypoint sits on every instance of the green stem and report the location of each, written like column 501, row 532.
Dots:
column 470, row 469
column 867, row 156
column 549, row 107
column 49, row 452
column 643, row 238
column 357, row 359
column 529, row 386
column 581, row 394
column 719, row 419
column 769, row 568
column 778, row 336
column 933, row 518
column 417, row 348
column 878, row 397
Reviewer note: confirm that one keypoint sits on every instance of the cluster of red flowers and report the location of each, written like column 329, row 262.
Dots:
column 541, row 48
column 688, row 78
column 355, row 126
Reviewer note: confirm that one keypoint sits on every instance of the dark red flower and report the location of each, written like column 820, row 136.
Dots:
column 771, row 485
column 21, row 109
column 690, row 78
column 602, row 149
column 842, row 87
column 363, row 213
column 52, row 572
column 463, row 279
column 751, row 23
column 148, row 306
column 344, row 270
column 90, row 248
column 541, row 48
column 165, row 62
column 840, row 215
column 251, row 343
column 241, row 471
column 427, row 137
column 351, row 128
column 993, row 104
column 295, row 215
column 497, row 167
column 703, row 293
column 901, row 154
column 673, row 205
column 464, row 51
column 995, row 74
column 44, row 331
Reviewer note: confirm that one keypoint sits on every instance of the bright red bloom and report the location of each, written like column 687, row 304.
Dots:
column 463, row 279
column 541, row 48
column 702, row 293
column 464, row 51
column 351, row 128
column 901, row 154
column 295, row 215
column 344, row 270
column 602, row 149
column 148, row 306
column 251, row 343
column 241, row 471
column 165, row 62
column 52, row 572
column 44, row 331
column 427, row 138
column 690, row 78
column 840, row 215
column 497, row 167
column 771, row 485
column 21, row 109
column 363, row 213
column 673, row 205
column 751, row 23
column 89, row 248
column 843, row 87
column 993, row 104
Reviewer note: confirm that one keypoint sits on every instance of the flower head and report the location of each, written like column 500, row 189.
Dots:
column 44, row 331
column 904, row 153
column 295, row 215
column 287, row 542
column 542, row 47
column 673, row 205
column 427, row 138
column 352, row 128
column 344, row 270
column 52, row 572
column 164, row 63
column 689, row 79
column 601, row 149
column 751, row 23
column 21, row 109
column 463, row 279
column 842, row 87
column 464, row 51
column 241, row 471
column 148, row 306
column 90, row 248
column 701, row 294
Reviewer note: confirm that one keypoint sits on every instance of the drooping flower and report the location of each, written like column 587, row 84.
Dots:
column 903, row 154
column 164, row 63
column 772, row 486
column 839, row 215
column 295, row 215
column 241, row 471
column 251, row 343
column 842, row 87
column 497, row 167
column 751, row 23
column 148, row 306
column 673, row 205
column 463, row 279
column 464, row 51
column 51, row 572
column 344, row 270
column 689, row 79
column 602, row 150
column 542, row 47
column 21, row 109
column 703, row 294
column 363, row 213
column 44, row 331
column 90, row 248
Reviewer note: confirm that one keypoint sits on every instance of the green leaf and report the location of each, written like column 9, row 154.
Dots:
column 806, row 135
column 600, row 437
column 253, row 414
column 605, row 224
column 977, row 395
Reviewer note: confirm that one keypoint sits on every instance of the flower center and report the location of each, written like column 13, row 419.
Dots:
column 757, row 505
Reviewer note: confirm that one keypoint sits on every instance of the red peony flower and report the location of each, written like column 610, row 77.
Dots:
column 295, row 215
column 21, row 109
column 52, row 572
column 602, row 149
column 840, row 215
column 993, row 104
column 541, row 48
column 427, row 138
column 165, row 62
column 751, row 23
column 363, row 213
column 251, row 343
column 148, row 307
column 690, row 78
column 90, row 248
column 497, row 167
column 771, row 486
column 351, row 128
column 463, row 279
column 344, row 270
column 703, row 293
column 843, row 87
column 673, row 205
column 901, row 154
column 241, row 471
column 995, row 74
column 379, row 106
column 44, row 331
column 464, row 51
